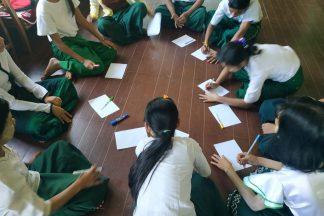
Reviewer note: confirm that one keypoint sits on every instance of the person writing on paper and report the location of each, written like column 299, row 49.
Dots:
column 268, row 115
column 183, row 13
column 122, row 20
column 161, row 180
column 294, row 185
column 41, row 109
column 47, row 186
column 60, row 21
column 232, row 20
column 254, row 66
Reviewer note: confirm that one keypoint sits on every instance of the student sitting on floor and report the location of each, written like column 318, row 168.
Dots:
column 41, row 109
column 268, row 116
column 266, row 70
column 60, row 21
column 296, row 187
column 183, row 13
column 160, row 180
column 48, row 187
column 122, row 22
column 232, row 20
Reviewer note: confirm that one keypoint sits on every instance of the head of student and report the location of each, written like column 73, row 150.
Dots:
column 299, row 142
column 235, row 55
column 7, row 123
column 161, row 120
column 237, row 7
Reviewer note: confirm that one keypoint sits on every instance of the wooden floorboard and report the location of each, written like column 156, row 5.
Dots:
column 156, row 67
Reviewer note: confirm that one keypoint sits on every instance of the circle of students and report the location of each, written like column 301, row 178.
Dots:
column 170, row 175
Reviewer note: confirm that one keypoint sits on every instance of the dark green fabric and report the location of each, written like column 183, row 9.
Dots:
column 125, row 26
column 225, row 30
column 55, row 166
column 270, row 89
column 195, row 22
column 94, row 51
column 206, row 197
column 40, row 125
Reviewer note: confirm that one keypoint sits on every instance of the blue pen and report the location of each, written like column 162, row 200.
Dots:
column 117, row 120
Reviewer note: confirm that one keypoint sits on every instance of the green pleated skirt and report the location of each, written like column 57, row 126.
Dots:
column 40, row 125
column 56, row 165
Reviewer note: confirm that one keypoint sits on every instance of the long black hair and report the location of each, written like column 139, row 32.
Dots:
column 299, row 142
column 239, row 4
column 4, row 112
column 161, row 115
column 71, row 6
column 236, row 52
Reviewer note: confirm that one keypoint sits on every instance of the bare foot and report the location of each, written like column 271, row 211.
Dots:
column 53, row 65
column 68, row 75
column 269, row 128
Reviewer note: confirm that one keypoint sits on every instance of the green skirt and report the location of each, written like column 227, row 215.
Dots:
column 206, row 197
column 225, row 30
column 40, row 125
column 195, row 21
column 125, row 26
column 94, row 51
column 270, row 89
column 55, row 166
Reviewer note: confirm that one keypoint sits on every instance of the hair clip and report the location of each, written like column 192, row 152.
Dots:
column 166, row 131
column 242, row 41
column 165, row 96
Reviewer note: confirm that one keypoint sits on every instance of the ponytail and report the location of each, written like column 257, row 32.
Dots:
column 161, row 115
column 71, row 6
column 236, row 52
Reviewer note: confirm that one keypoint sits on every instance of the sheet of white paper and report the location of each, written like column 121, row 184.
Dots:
column 230, row 149
column 154, row 25
column 116, row 71
column 225, row 114
column 184, row 40
column 129, row 138
column 220, row 90
column 179, row 133
column 101, row 107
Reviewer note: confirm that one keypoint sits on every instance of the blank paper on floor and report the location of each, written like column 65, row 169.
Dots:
column 225, row 114
column 116, row 71
column 184, row 41
column 230, row 149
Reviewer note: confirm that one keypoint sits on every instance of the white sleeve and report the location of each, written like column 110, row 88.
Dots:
column 17, row 198
column 254, row 90
column 201, row 164
column 253, row 13
column 219, row 13
column 76, row 3
column 45, row 24
column 268, row 187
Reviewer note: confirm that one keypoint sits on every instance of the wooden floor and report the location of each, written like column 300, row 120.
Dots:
column 156, row 67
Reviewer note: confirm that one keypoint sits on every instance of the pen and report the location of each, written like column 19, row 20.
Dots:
column 119, row 119
column 251, row 147
column 106, row 104
column 219, row 121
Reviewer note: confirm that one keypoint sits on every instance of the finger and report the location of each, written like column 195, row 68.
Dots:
column 96, row 65
column 213, row 163
column 61, row 119
column 68, row 114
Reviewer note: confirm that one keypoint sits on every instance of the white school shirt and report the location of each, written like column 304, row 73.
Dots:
column 302, row 192
column 275, row 62
column 252, row 14
column 18, row 187
column 21, row 79
column 56, row 18
column 167, row 191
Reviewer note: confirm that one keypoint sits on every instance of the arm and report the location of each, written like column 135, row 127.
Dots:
column 171, row 9
column 254, row 201
column 201, row 164
column 196, row 5
column 209, row 31
column 244, row 158
column 242, row 30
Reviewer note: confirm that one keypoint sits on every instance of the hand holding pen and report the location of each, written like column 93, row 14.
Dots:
column 246, row 157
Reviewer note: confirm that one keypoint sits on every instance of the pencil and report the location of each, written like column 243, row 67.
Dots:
column 219, row 121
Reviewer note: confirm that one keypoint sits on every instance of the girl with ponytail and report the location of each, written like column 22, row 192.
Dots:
column 266, row 70
column 160, row 179
column 60, row 20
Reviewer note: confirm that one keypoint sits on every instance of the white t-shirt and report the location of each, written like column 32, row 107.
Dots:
column 302, row 192
column 252, row 14
column 168, row 192
column 275, row 62
column 18, row 188
column 21, row 79
column 56, row 18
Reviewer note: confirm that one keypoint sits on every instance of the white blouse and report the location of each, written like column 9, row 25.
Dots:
column 18, row 187
column 302, row 192
column 21, row 79
column 167, row 191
